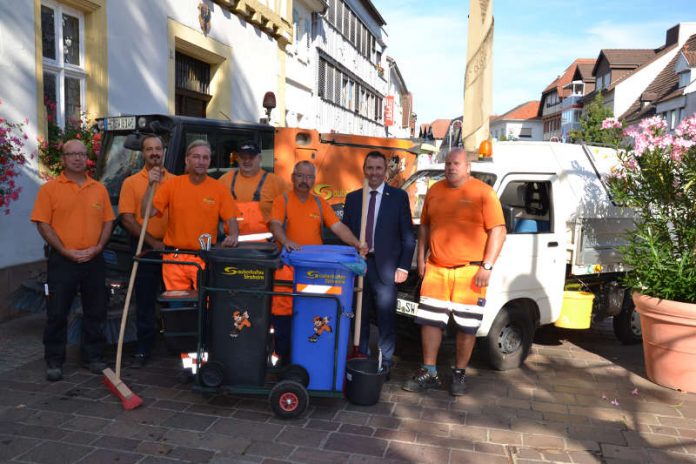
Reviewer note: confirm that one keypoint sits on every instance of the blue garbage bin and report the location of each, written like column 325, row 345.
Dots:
column 321, row 326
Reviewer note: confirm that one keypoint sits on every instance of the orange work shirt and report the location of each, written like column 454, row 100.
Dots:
column 130, row 201
column 244, row 188
column 193, row 210
column 303, row 226
column 459, row 219
column 76, row 213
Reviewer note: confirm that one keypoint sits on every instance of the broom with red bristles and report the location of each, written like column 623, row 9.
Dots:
column 112, row 380
column 359, row 297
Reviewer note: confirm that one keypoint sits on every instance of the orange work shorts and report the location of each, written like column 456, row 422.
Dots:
column 452, row 291
column 180, row 276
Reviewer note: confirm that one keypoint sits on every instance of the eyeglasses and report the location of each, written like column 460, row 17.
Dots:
column 79, row 154
column 304, row 176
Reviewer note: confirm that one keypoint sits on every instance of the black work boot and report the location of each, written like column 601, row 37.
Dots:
column 458, row 385
column 421, row 381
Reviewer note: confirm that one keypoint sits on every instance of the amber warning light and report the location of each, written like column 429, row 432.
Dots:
column 486, row 151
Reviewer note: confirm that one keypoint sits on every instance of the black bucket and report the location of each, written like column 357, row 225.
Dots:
column 363, row 381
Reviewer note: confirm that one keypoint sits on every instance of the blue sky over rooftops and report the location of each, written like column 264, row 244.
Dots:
column 535, row 40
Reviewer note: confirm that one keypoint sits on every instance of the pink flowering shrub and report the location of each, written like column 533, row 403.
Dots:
column 657, row 178
column 12, row 141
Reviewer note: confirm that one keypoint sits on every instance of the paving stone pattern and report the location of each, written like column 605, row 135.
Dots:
column 557, row 408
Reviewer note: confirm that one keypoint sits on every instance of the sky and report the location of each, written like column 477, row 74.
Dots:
column 534, row 42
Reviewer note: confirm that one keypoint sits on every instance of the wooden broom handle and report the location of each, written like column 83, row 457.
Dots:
column 359, row 296
column 131, row 281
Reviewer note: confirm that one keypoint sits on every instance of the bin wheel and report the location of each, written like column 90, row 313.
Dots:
column 288, row 399
column 297, row 373
column 212, row 374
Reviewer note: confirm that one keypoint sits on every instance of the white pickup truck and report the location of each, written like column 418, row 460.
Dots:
column 563, row 230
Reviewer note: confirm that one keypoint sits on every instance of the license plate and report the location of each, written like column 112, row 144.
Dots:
column 122, row 123
column 405, row 307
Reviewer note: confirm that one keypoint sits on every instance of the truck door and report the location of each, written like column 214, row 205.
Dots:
column 532, row 260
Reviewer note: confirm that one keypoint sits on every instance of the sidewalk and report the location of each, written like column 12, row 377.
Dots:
column 574, row 401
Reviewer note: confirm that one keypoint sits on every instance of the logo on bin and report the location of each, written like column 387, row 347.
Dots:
column 241, row 320
column 329, row 279
column 319, row 326
column 246, row 274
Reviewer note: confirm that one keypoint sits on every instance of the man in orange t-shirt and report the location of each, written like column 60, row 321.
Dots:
column 296, row 220
column 463, row 227
column 73, row 214
column 253, row 188
column 195, row 203
column 149, row 276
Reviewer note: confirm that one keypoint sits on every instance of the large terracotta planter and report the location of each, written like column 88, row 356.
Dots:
column 669, row 341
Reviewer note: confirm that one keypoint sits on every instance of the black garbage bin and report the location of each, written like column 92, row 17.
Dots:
column 239, row 321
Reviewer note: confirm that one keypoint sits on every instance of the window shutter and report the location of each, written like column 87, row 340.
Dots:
column 321, row 79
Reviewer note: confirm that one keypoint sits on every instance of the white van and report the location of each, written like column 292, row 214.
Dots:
column 563, row 231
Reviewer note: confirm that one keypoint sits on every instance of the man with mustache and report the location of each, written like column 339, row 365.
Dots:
column 296, row 220
column 149, row 276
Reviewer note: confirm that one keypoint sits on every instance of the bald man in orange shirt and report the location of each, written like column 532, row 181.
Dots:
column 74, row 216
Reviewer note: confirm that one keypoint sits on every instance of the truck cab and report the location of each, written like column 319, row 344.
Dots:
column 563, row 232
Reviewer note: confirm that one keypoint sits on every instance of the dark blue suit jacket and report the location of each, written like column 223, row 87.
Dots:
column 394, row 240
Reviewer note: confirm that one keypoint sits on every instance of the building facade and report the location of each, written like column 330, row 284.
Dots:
column 520, row 123
column 64, row 60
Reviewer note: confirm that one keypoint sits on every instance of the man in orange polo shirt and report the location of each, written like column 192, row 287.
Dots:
column 463, row 228
column 296, row 220
column 73, row 214
column 195, row 203
column 147, row 281
column 253, row 188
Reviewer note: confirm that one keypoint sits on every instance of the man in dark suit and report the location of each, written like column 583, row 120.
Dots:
column 391, row 242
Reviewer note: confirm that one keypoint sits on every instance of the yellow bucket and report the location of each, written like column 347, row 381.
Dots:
column 576, row 310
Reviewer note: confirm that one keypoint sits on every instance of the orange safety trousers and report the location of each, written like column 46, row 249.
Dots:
column 180, row 276
column 282, row 305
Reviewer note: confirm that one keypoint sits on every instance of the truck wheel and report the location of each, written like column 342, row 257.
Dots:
column 510, row 338
column 288, row 399
column 627, row 323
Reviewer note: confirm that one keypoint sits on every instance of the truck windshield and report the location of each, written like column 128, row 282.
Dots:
column 118, row 163
column 418, row 184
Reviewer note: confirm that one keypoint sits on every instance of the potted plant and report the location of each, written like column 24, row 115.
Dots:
column 657, row 178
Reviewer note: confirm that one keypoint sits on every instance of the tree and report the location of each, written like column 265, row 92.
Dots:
column 591, row 124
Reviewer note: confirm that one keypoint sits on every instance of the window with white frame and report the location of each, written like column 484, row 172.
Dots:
column 62, row 43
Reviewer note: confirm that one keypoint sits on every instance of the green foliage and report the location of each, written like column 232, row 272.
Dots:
column 591, row 131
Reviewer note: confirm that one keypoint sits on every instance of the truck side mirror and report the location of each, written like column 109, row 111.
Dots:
column 134, row 141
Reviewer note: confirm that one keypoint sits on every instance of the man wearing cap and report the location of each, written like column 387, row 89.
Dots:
column 253, row 188
column 195, row 203
column 147, row 281
column 296, row 220
column 73, row 214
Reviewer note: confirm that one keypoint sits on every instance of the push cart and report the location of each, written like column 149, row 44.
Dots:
column 232, row 328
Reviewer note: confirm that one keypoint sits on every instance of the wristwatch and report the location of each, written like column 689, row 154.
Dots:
column 487, row 266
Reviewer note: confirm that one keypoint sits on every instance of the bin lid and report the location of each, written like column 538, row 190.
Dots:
column 247, row 251
column 330, row 256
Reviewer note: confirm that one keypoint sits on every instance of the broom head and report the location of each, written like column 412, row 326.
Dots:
column 129, row 400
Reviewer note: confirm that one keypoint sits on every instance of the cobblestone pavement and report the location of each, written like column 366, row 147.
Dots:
column 575, row 400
